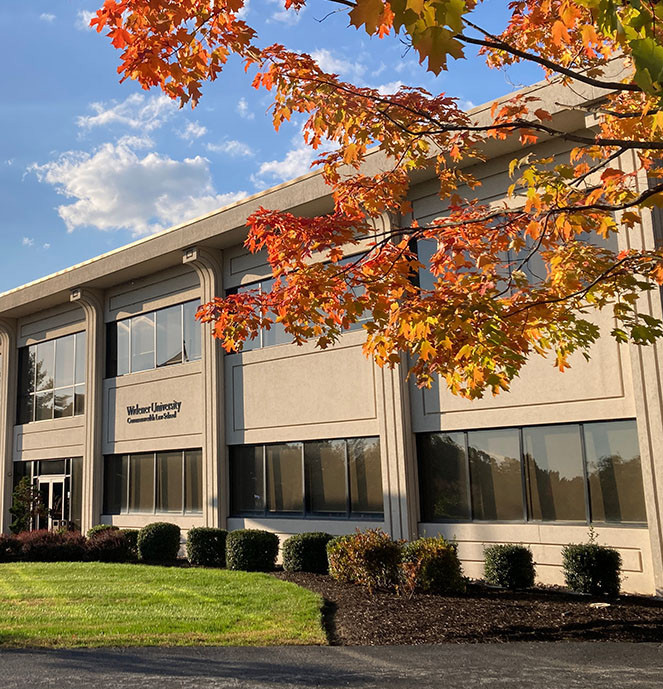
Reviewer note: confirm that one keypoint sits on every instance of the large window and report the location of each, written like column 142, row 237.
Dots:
column 51, row 381
column 325, row 478
column 153, row 482
column 153, row 340
column 569, row 472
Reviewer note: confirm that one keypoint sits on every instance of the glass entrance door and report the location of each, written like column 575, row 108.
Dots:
column 55, row 500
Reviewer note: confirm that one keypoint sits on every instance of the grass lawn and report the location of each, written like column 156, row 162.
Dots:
column 65, row 604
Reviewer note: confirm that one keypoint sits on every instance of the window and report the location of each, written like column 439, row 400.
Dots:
column 51, row 382
column 324, row 478
column 569, row 472
column 153, row 482
column 153, row 340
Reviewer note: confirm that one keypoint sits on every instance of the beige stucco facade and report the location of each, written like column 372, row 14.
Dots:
column 285, row 393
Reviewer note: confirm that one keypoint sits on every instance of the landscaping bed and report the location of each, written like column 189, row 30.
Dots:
column 354, row 617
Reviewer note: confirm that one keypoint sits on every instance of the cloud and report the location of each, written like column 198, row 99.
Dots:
column 297, row 162
column 232, row 147
column 47, row 17
column 389, row 88
column 28, row 241
column 46, row 246
column 118, row 187
column 283, row 16
column 136, row 112
column 331, row 63
column 245, row 10
column 83, row 18
column 193, row 130
column 242, row 108
column 464, row 104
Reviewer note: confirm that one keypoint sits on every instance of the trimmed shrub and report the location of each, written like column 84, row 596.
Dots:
column 52, row 546
column 159, row 542
column 10, row 548
column 370, row 558
column 509, row 565
column 132, row 541
column 206, row 546
column 108, row 545
column 592, row 568
column 306, row 552
column 431, row 565
column 251, row 550
column 98, row 528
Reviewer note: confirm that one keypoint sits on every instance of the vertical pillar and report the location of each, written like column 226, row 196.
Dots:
column 91, row 301
column 398, row 454
column 8, row 392
column 208, row 265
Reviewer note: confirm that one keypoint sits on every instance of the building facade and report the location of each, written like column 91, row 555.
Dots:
column 123, row 410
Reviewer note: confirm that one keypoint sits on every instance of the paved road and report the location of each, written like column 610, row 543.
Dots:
column 513, row 665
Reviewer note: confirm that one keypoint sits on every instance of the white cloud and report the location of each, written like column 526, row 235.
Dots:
column 28, row 241
column 297, row 161
column 242, row 108
column 47, row 17
column 116, row 187
column 232, row 147
column 464, row 104
column 388, row 89
column 136, row 112
column 283, row 16
column 331, row 63
column 9, row 161
column 245, row 10
column 193, row 130
column 83, row 18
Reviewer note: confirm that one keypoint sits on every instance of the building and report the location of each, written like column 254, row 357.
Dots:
column 124, row 412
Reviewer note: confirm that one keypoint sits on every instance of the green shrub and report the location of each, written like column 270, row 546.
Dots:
column 10, row 548
column 306, row 552
column 98, row 528
column 370, row 558
column 159, row 542
column 108, row 545
column 251, row 550
column 431, row 565
column 206, row 546
column 131, row 536
column 592, row 568
column 51, row 546
column 509, row 565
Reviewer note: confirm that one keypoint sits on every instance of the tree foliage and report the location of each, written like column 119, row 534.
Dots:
column 509, row 279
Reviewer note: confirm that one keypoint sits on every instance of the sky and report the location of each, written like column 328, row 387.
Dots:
column 88, row 164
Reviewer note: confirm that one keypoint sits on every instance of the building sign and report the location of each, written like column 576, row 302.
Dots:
column 156, row 411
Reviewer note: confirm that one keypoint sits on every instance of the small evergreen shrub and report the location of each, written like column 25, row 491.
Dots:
column 306, row 552
column 159, row 542
column 52, row 546
column 431, row 565
column 10, row 548
column 108, row 545
column 98, row 528
column 509, row 565
column 370, row 558
column 592, row 568
column 27, row 506
column 251, row 550
column 206, row 546
column 131, row 536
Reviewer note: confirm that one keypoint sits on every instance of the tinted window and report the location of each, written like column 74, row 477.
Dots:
column 169, row 336
column 247, row 490
column 325, row 476
column 364, row 466
column 283, row 467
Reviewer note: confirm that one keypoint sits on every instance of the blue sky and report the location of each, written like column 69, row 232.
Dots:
column 88, row 164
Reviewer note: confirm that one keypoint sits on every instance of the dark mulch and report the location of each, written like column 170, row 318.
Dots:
column 354, row 617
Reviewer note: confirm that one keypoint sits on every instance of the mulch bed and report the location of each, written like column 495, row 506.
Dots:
column 353, row 617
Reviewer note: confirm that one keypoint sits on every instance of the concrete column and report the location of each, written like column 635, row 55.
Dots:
column 398, row 454
column 208, row 265
column 92, row 303
column 8, row 385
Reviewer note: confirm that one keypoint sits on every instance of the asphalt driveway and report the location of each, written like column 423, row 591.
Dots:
column 513, row 665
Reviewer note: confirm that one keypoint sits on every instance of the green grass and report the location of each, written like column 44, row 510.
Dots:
column 66, row 604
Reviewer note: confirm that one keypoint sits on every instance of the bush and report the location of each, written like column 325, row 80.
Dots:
column 131, row 536
column 371, row 559
column 51, row 546
column 509, row 565
column 252, row 550
column 592, row 568
column 108, row 545
column 206, row 546
column 306, row 552
column 159, row 542
column 432, row 565
column 98, row 528
column 10, row 548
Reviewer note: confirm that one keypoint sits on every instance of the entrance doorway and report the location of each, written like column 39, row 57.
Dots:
column 55, row 497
